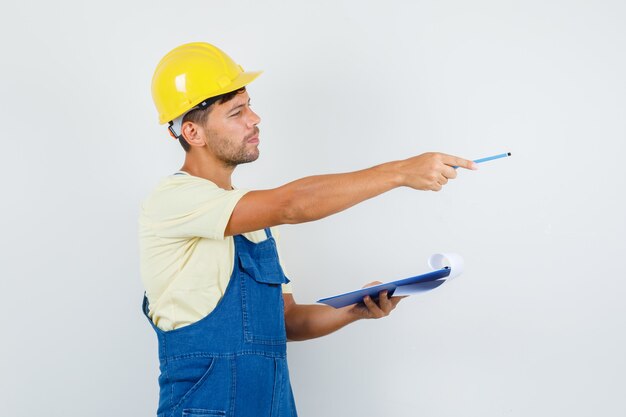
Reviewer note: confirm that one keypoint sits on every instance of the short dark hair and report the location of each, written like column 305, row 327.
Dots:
column 201, row 115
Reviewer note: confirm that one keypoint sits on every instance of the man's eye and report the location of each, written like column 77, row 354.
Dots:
column 235, row 114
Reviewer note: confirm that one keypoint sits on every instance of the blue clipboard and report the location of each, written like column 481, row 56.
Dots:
column 418, row 283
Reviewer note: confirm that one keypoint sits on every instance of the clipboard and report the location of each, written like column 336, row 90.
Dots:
column 419, row 283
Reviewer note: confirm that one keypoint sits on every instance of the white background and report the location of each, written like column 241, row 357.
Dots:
column 535, row 326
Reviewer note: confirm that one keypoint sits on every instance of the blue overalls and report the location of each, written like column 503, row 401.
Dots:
column 233, row 362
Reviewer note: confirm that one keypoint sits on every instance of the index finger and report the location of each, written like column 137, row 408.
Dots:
column 456, row 162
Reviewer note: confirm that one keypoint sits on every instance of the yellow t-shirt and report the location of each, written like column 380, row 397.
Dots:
column 186, row 262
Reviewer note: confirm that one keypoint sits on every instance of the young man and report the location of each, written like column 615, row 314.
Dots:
column 216, row 293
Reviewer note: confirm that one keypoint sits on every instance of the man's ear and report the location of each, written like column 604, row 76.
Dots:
column 192, row 133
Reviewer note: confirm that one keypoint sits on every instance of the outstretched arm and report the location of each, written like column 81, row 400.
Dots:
column 316, row 197
column 308, row 321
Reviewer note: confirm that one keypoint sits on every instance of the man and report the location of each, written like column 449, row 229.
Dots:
column 216, row 293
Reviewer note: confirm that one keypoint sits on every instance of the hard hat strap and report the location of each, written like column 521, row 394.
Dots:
column 175, row 126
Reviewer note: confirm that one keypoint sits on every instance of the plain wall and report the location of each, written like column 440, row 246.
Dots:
column 534, row 327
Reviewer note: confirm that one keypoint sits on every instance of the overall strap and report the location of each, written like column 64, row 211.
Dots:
column 268, row 232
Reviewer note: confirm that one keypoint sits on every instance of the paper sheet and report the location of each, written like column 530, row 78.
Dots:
column 454, row 261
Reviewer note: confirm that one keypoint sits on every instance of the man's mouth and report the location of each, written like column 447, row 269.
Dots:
column 254, row 138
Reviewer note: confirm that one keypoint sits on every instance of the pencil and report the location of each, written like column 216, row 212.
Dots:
column 489, row 158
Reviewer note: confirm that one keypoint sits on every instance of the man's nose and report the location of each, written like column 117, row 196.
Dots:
column 254, row 118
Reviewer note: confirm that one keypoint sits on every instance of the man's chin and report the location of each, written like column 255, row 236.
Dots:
column 247, row 159
column 252, row 159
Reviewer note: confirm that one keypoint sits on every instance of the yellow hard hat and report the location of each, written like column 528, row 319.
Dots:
column 191, row 73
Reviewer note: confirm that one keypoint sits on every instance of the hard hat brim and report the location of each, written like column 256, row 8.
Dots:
column 240, row 81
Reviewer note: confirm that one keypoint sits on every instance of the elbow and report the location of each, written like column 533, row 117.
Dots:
column 297, row 332
column 293, row 210
column 292, row 214
column 297, row 205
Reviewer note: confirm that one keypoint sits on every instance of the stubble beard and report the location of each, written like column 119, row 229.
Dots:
column 233, row 154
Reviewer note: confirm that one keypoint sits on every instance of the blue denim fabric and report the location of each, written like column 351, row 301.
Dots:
column 233, row 362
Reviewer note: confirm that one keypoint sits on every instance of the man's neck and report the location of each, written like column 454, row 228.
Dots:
column 203, row 166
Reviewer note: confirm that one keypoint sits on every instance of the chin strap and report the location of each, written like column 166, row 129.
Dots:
column 175, row 126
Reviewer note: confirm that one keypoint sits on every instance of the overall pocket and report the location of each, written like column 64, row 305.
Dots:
column 201, row 388
column 262, row 298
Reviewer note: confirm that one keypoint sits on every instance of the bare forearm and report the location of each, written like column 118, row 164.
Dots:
column 310, row 321
column 316, row 197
